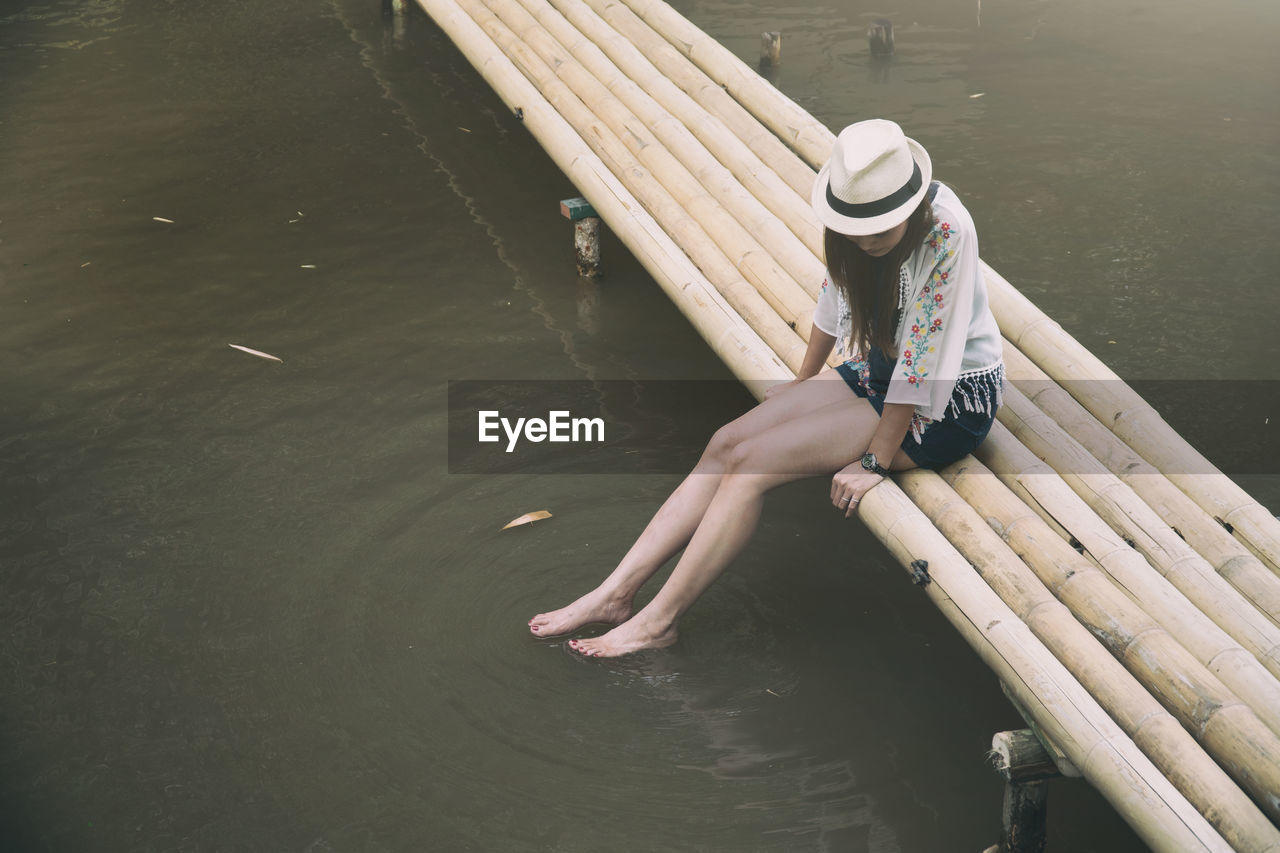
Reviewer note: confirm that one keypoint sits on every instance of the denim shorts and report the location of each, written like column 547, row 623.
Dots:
column 942, row 442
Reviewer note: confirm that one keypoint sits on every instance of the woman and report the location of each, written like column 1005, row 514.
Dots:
column 904, row 290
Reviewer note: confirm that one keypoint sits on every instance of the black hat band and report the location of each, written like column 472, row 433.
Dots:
column 887, row 204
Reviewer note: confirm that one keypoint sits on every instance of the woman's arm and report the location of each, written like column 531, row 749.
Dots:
column 817, row 353
column 815, row 356
column 894, row 421
column 853, row 481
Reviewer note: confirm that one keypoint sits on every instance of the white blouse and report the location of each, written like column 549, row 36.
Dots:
column 947, row 332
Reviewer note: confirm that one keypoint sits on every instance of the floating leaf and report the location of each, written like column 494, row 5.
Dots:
column 258, row 353
column 527, row 518
column 978, row 95
column 162, row 219
column 308, row 266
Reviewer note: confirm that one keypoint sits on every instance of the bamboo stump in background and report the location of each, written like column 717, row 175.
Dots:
column 770, row 49
column 880, row 36
column 586, row 246
column 586, row 235
column 1025, row 765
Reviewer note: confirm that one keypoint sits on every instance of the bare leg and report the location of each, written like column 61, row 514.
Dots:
column 821, row 443
column 675, row 522
column 665, row 534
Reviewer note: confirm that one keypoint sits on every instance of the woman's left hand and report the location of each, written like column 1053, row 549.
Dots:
column 849, row 485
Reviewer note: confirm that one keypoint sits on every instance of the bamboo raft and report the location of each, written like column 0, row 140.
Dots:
column 1130, row 608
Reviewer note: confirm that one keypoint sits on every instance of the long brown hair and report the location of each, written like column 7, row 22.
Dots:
column 870, row 284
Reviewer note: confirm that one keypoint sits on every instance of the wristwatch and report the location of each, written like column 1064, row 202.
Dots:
column 869, row 463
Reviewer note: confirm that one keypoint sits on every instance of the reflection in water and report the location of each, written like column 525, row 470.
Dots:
column 879, row 66
column 589, row 306
column 62, row 18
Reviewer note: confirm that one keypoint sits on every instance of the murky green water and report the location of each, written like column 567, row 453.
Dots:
column 246, row 607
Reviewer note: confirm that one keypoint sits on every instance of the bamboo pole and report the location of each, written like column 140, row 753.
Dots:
column 1036, row 484
column 673, row 218
column 1022, row 559
column 779, row 289
column 1116, row 405
column 754, row 174
column 752, row 213
column 723, row 329
column 1164, row 549
column 1055, row 701
column 677, row 67
column 1239, row 566
column 805, row 134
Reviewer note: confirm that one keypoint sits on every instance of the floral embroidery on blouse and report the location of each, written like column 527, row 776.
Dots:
column 860, row 365
column 925, row 322
column 941, row 233
column 864, row 376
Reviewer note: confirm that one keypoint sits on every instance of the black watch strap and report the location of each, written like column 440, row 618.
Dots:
column 869, row 463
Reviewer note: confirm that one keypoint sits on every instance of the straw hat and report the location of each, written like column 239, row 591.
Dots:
column 874, row 180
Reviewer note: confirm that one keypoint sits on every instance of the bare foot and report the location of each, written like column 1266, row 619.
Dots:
column 631, row 636
column 595, row 606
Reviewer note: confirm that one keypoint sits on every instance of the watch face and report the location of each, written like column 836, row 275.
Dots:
column 869, row 461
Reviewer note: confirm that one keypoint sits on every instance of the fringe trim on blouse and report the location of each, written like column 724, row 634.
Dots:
column 980, row 390
column 918, row 426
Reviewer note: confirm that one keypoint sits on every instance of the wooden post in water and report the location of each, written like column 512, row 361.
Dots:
column 880, row 37
column 770, row 49
column 1024, row 764
column 586, row 234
